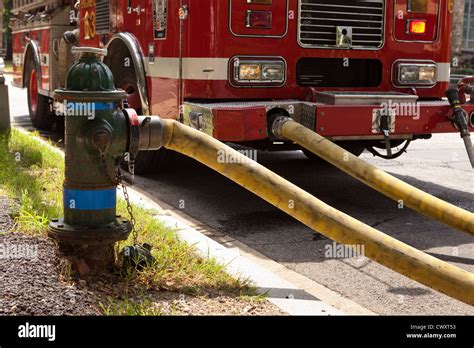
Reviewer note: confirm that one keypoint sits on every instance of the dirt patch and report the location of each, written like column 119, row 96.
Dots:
column 220, row 305
column 216, row 305
column 31, row 280
column 36, row 280
column 128, row 299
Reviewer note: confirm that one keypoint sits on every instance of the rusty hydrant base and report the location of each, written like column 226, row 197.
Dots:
column 101, row 235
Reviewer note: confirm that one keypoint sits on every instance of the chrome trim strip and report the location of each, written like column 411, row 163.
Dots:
column 137, row 57
column 37, row 60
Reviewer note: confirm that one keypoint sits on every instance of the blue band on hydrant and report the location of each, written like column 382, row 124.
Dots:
column 105, row 106
column 87, row 109
column 90, row 199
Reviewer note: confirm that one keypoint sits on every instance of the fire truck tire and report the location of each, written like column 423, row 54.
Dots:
column 153, row 162
column 353, row 147
column 149, row 161
column 126, row 79
column 38, row 105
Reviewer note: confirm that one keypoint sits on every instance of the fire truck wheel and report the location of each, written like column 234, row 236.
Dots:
column 127, row 81
column 38, row 105
column 147, row 162
column 353, row 147
column 144, row 162
column 150, row 162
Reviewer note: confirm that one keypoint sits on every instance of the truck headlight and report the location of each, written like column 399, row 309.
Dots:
column 250, row 72
column 273, row 72
column 245, row 72
column 428, row 74
column 417, row 74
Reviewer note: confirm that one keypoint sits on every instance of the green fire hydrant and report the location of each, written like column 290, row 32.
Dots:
column 96, row 138
column 99, row 134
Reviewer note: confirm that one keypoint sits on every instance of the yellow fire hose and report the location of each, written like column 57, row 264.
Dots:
column 379, row 180
column 400, row 257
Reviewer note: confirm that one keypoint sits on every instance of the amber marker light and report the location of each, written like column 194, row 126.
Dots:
column 417, row 26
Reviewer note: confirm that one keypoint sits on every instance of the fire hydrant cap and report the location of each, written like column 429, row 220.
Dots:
column 90, row 74
column 91, row 80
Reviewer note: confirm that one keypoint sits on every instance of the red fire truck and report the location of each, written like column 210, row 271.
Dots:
column 368, row 74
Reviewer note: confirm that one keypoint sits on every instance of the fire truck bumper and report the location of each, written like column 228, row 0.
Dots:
column 248, row 121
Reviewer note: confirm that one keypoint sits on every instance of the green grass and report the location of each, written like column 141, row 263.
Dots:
column 32, row 174
column 142, row 307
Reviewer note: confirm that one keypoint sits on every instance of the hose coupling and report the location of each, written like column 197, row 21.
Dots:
column 277, row 126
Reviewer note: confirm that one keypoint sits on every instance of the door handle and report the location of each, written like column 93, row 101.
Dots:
column 56, row 48
column 138, row 10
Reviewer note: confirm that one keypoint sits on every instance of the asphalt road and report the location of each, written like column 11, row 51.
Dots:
column 438, row 166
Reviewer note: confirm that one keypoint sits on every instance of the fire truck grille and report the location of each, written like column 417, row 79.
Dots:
column 361, row 23
column 339, row 73
column 103, row 17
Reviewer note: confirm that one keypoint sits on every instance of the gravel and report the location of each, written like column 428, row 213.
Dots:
column 36, row 281
column 31, row 280
column 169, row 303
column 5, row 211
column 178, row 304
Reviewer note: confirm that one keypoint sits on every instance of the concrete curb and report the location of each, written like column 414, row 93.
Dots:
column 290, row 291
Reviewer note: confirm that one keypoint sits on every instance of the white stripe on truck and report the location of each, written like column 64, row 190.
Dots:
column 193, row 68
column 444, row 72
column 217, row 69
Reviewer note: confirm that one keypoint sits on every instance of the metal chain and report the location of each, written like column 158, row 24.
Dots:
column 129, row 207
column 118, row 181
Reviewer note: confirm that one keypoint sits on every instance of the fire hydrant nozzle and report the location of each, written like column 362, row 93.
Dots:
column 145, row 132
